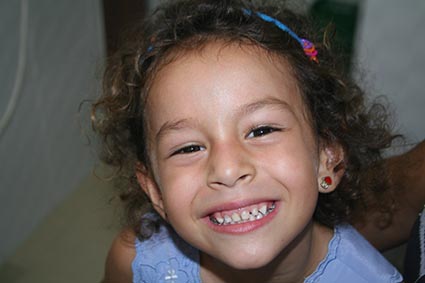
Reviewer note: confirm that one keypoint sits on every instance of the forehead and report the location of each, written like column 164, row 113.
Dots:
column 222, row 52
column 228, row 73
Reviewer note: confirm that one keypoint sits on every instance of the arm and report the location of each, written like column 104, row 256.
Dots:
column 407, row 181
column 120, row 257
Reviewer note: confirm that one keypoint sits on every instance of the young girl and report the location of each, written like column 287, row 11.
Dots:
column 248, row 141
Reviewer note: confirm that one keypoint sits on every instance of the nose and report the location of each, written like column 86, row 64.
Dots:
column 228, row 165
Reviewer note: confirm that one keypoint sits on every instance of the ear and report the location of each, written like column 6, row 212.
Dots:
column 331, row 168
column 151, row 189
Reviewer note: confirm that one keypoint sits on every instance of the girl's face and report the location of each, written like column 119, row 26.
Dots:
column 235, row 165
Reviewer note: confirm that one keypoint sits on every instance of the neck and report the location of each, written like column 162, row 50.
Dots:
column 292, row 265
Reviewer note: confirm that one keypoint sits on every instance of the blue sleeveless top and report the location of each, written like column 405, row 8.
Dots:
column 166, row 258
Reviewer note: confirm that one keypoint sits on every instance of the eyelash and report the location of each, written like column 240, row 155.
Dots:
column 256, row 132
column 262, row 131
column 188, row 149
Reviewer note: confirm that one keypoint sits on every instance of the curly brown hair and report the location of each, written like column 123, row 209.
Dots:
column 336, row 104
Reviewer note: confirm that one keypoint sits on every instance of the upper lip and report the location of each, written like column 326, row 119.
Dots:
column 231, row 205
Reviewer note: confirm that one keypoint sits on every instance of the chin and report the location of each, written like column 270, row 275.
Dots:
column 248, row 262
column 248, row 265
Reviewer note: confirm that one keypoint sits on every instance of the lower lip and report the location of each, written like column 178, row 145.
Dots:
column 245, row 227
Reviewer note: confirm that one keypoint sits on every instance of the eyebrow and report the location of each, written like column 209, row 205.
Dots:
column 266, row 102
column 244, row 110
column 172, row 126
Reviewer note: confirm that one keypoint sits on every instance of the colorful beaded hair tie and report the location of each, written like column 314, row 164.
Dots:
column 307, row 45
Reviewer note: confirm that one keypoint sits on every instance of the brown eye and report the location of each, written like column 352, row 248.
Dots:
column 189, row 149
column 261, row 131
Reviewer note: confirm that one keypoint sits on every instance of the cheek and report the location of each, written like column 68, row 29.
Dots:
column 293, row 159
column 295, row 166
column 178, row 188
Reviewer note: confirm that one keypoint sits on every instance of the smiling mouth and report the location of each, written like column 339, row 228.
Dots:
column 242, row 215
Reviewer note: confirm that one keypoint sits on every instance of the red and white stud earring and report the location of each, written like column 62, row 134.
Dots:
column 326, row 182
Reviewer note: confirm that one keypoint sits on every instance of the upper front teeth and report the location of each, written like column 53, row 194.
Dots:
column 244, row 216
column 236, row 217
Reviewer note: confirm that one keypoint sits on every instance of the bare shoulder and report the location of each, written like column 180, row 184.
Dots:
column 120, row 258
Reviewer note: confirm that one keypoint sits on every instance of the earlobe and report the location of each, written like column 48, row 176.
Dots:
column 151, row 189
column 331, row 168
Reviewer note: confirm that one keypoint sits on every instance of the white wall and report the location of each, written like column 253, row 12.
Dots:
column 42, row 152
column 391, row 43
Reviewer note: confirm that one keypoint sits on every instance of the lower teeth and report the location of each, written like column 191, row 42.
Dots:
column 259, row 216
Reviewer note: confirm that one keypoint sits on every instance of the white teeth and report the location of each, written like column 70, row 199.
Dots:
column 245, row 215
column 220, row 220
column 236, row 217
column 263, row 209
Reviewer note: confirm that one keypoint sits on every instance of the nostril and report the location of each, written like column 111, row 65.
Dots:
column 243, row 177
column 229, row 183
column 227, row 170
